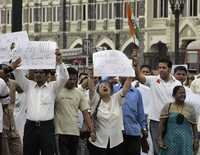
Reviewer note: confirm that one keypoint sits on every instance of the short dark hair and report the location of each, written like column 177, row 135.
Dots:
column 145, row 66
column 180, row 68
column 72, row 71
column 176, row 89
column 167, row 61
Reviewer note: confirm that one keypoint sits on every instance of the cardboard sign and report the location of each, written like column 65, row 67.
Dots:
column 11, row 45
column 112, row 63
column 39, row 55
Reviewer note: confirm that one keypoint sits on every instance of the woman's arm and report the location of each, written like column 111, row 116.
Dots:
column 161, row 132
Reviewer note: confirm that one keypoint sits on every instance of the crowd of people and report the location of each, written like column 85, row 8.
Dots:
column 66, row 112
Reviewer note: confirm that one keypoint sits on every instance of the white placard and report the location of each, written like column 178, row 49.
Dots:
column 112, row 63
column 39, row 55
column 12, row 44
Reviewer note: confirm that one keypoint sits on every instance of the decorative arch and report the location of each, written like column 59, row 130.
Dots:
column 128, row 47
column 76, row 43
column 127, row 43
column 107, row 42
column 188, row 26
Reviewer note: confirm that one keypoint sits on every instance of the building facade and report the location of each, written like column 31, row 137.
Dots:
column 100, row 23
column 160, row 30
column 82, row 26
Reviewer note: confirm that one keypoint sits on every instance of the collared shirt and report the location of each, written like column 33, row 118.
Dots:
column 4, row 90
column 108, row 124
column 133, row 112
column 146, row 95
column 161, row 94
column 195, row 86
column 40, row 100
column 193, row 99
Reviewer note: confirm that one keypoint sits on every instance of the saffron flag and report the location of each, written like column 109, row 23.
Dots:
column 133, row 24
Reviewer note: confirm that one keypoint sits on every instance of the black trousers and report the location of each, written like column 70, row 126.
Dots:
column 94, row 150
column 68, row 144
column 0, row 143
column 132, row 145
column 39, row 138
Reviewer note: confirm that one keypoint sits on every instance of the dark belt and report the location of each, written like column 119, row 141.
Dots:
column 39, row 123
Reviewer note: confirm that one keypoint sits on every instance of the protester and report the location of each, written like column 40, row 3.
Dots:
column 195, row 86
column 11, row 139
column 178, row 126
column 135, row 123
column 107, row 117
column 145, row 69
column 68, row 103
column 20, row 111
column 161, row 87
column 83, row 87
column 40, row 97
column 4, row 93
column 180, row 73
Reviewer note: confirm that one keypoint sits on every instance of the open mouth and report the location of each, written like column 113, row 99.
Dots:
column 105, row 89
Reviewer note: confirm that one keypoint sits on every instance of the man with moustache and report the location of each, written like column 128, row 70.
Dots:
column 40, row 98
column 68, row 103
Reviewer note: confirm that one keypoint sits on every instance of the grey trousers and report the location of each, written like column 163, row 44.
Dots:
column 154, row 125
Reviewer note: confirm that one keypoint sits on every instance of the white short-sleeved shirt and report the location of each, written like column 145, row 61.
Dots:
column 193, row 99
column 161, row 94
column 108, row 124
column 4, row 90
column 195, row 86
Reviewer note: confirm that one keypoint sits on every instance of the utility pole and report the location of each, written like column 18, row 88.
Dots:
column 64, row 24
column 16, row 15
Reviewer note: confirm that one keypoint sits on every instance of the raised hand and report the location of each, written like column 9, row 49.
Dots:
column 16, row 63
column 58, row 56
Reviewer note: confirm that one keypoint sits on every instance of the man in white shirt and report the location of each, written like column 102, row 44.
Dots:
column 161, row 87
column 4, row 92
column 40, row 98
column 4, row 95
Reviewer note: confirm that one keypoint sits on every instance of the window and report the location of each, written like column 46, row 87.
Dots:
column 25, row 15
column 92, row 11
column 8, row 16
column 98, row 11
column 78, row 12
column 31, row 15
column 84, row 12
column 3, row 16
column 118, row 9
column 59, row 13
column 36, row 15
column 160, row 8
column 68, row 13
column 44, row 14
column 104, row 11
column 110, row 11
column 49, row 14
column 72, row 13
column 191, row 8
column 54, row 14
column 155, row 6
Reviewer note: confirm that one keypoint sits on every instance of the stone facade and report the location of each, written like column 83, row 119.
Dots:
column 44, row 20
